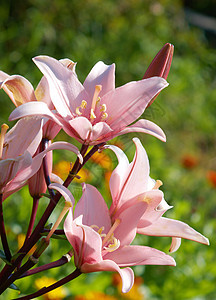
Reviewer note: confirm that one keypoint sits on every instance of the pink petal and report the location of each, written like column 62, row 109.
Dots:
column 100, row 74
column 3, row 76
column 176, row 243
column 129, row 219
column 173, row 228
column 66, row 91
column 19, row 89
column 144, row 126
column 93, row 208
column 99, row 132
column 85, row 241
column 42, row 92
column 139, row 255
column 151, row 215
column 126, row 274
column 33, row 109
column 125, row 104
column 10, row 167
column 27, row 173
column 82, row 126
column 25, row 135
column 56, row 179
column 63, row 191
column 117, row 178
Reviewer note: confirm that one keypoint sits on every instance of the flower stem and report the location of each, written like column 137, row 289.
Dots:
column 60, row 262
column 33, row 216
column 3, row 232
column 59, row 283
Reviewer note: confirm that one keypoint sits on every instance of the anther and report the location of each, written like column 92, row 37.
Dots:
column 158, row 183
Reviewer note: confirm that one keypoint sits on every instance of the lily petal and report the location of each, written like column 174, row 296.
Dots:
column 66, row 91
column 173, row 228
column 126, row 103
column 33, row 109
column 176, row 243
column 139, row 255
column 93, row 208
column 19, row 89
column 100, row 74
column 25, row 135
column 118, row 176
column 126, row 274
column 144, row 126
column 63, row 191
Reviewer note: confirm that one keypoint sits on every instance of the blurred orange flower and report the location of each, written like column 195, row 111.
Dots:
column 62, row 169
column 102, row 159
column 189, row 161
column 211, row 176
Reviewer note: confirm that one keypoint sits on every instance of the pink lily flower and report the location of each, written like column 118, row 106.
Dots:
column 130, row 183
column 16, row 150
column 95, row 111
column 21, row 91
column 99, row 244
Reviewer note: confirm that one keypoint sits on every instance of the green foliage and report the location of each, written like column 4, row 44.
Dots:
column 129, row 33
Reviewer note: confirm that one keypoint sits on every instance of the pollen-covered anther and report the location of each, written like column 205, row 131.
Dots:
column 114, row 244
column 82, row 106
column 104, row 116
column 158, row 183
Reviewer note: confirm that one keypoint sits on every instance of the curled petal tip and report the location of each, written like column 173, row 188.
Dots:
column 176, row 243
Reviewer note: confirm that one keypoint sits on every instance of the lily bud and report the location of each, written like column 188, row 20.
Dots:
column 160, row 65
column 37, row 183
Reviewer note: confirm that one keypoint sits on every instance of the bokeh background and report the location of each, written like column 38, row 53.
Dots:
column 129, row 33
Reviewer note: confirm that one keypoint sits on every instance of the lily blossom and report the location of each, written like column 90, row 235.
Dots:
column 95, row 111
column 99, row 244
column 130, row 183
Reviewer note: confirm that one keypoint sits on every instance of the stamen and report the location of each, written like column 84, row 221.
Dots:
column 83, row 104
column 114, row 246
column 103, row 108
column 104, row 116
column 98, row 88
column 92, row 114
column 78, row 112
column 158, row 183
column 112, row 229
column 4, row 129
column 67, row 206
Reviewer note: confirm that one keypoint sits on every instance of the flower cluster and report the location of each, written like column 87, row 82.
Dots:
column 93, row 113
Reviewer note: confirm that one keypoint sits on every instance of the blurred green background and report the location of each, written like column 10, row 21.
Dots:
column 130, row 33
